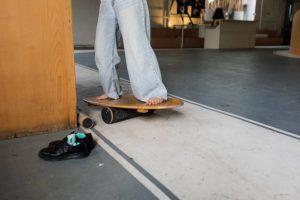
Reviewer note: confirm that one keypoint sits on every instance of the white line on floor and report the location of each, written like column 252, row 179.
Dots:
column 233, row 115
column 130, row 168
column 202, row 153
column 277, row 130
column 272, row 47
column 179, row 49
column 239, row 117
column 84, row 51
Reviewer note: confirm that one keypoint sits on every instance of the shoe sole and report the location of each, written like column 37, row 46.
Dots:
column 65, row 157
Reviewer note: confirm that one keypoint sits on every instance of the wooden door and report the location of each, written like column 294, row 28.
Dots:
column 37, row 75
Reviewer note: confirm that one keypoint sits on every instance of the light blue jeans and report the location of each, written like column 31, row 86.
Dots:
column 132, row 19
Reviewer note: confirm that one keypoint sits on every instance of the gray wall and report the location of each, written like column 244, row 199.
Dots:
column 85, row 16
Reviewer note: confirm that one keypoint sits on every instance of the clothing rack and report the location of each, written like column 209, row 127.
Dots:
column 182, row 19
column 181, row 13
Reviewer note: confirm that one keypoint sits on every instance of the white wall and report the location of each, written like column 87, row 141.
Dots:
column 251, row 10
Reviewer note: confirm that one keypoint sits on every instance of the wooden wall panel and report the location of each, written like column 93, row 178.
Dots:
column 37, row 75
column 295, row 37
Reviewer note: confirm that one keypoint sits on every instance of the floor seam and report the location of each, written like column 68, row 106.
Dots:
column 167, row 192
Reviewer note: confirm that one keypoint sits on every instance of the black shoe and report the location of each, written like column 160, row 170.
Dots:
column 88, row 139
column 62, row 150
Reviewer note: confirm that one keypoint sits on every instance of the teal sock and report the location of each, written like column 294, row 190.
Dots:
column 80, row 135
column 72, row 138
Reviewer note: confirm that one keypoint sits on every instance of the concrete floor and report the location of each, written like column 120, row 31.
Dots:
column 197, row 153
column 25, row 176
column 192, row 152
column 254, row 84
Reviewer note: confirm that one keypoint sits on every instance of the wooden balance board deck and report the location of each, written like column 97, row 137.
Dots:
column 128, row 107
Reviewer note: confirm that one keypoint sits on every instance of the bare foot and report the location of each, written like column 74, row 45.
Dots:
column 102, row 97
column 154, row 101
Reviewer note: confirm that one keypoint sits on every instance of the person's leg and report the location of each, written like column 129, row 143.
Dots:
column 106, row 55
column 143, row 69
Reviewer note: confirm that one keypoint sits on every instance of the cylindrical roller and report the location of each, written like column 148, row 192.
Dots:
column 88, row 123
column 112, row 115
column 84, row 121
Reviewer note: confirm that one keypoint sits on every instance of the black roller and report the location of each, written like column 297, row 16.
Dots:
column 88, row 123
column 84, row 121
column 112, row 115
